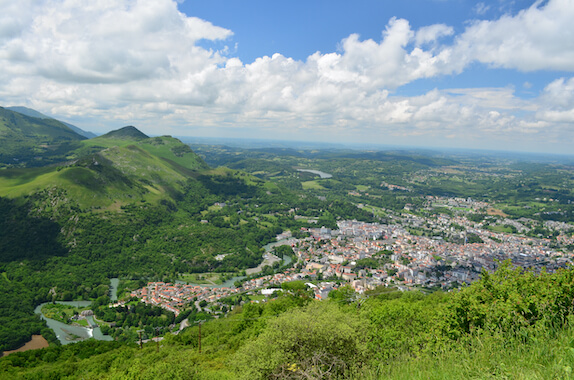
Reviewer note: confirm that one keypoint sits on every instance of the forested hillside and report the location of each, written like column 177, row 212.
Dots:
column 79, row 248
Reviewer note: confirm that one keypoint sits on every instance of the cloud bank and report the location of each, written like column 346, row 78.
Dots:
column 105, row 63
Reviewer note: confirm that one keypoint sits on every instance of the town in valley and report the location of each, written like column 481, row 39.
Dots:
column 367, row 256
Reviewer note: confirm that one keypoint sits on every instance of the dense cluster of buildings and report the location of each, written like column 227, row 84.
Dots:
column 328, row 258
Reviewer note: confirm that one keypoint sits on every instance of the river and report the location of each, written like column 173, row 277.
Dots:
column 72, row 333
column 319, row 173
column 69, row 334
column 114, row 282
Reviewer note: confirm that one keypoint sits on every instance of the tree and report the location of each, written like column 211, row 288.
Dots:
column 345, row 294
column 316, row 342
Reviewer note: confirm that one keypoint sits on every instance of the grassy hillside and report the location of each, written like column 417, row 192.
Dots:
column 115, row 171
column 173, row 151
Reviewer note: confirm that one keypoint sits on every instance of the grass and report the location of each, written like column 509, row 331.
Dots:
column 81, row 182
column 489, row 357
column 311, row 185
column 172, row 149
column 137, row 171
column 375, row 210
column 105, row 142
column 12, row 185
column 213, row 208
column 500, row 228
column 47, row 178
column 495, row 212
column 265, row 224
column 416, row 231
column 200, row 278
column 270, row 186
column 270, row 217
column 257, row 297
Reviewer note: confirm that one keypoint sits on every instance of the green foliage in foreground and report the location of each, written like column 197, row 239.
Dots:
column 318, row 341
column 510, row 324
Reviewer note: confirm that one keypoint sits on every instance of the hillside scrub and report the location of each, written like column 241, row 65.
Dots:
column 318, row 341
column 509, row 324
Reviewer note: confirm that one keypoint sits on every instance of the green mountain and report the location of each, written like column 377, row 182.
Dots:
column 33, row 113
column 31, row 141
column 117, row 168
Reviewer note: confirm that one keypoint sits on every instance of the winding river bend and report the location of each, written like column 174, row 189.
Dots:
column 72, row 333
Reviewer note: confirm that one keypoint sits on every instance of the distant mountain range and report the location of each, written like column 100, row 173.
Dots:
column 33, row 113
column 27, row 141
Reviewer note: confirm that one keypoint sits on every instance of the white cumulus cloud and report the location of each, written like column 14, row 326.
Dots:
column 110, row 62
column 103, row 41
column 558, row 102
column 540, row 37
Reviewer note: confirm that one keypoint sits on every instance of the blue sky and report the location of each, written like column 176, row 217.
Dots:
column 431, row 73
column 298, row 29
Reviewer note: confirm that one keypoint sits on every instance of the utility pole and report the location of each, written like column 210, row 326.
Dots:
column 140, row 333
column 157, row 339
column 199, row 336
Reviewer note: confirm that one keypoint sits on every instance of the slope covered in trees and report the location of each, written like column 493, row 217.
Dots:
column 33, row 113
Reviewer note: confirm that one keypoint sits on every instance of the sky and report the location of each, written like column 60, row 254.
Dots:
column 496, row 74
